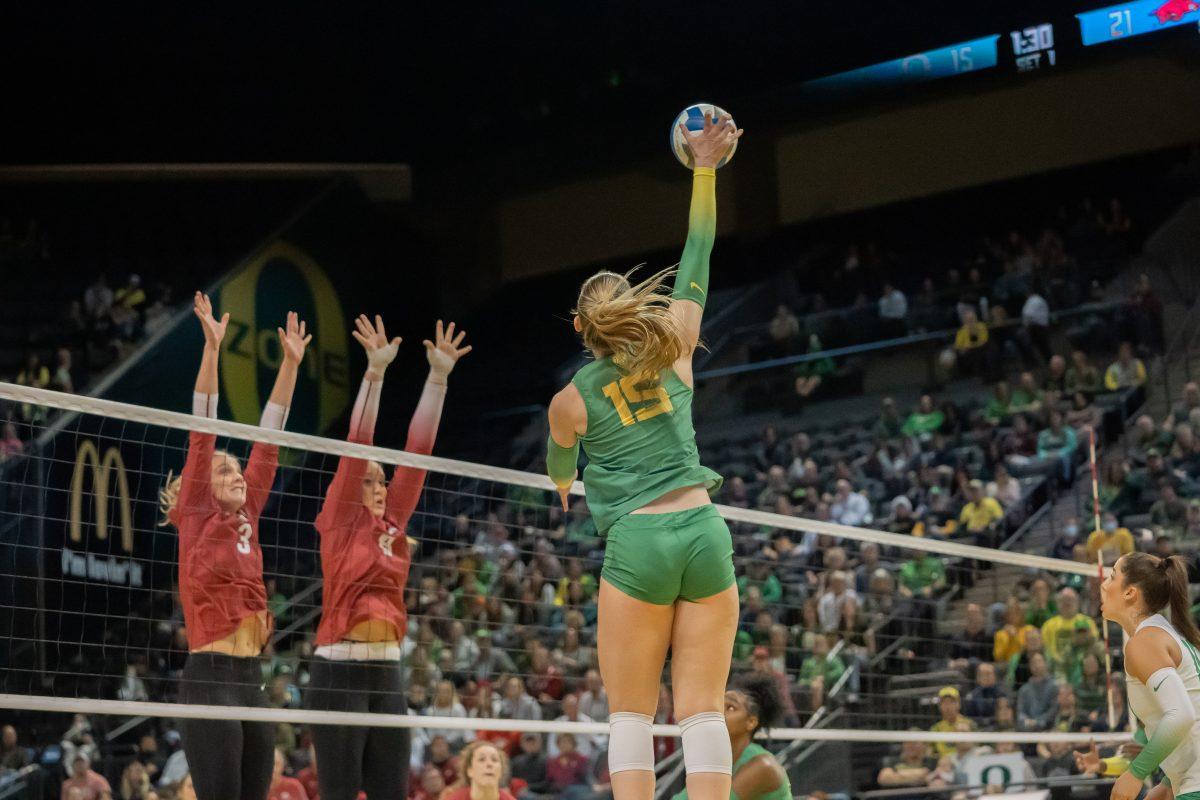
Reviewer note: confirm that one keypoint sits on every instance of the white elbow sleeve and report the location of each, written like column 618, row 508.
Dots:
column 204, row 405
column 274, row 416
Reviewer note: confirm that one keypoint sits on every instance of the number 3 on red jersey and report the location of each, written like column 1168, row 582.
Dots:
column 245, row 531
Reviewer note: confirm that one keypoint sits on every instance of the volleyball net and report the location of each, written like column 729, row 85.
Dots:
column 871, row 636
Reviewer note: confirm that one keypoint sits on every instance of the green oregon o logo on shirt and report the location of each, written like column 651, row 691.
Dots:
column 278, row 279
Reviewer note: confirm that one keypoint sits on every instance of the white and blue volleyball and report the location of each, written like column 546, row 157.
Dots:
column 693, row 118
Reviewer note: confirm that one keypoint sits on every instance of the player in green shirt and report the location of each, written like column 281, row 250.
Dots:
column 667, row 579
column 752, row 705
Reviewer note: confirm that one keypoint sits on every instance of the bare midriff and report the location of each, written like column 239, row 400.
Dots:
column 373, row 630
column 676, row 500
column 247, row 639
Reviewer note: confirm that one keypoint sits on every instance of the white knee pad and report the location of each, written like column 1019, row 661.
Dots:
column 630, row 745
column 706, row 745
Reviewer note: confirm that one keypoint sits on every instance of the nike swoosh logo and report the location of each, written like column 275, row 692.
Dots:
column 1160, row 683
column 696, row 286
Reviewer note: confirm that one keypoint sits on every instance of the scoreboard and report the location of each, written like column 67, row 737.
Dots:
column 1028, row 47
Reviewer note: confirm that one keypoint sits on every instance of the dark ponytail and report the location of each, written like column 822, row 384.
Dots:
column 1164, row 584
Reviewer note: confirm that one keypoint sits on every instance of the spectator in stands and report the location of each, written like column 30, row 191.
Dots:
column 567, row 772
column 282, row 786
column 1059, row 629
column 1019, row 668
column 98, row 297
column 812, row 372
column 1009, row 641
column 1127, row 372
column 1146, row 314
column 78, row 740
column 981, row 701
column 1056, row 375
column 973, row 645
column 950, row 707
column 1041, row 605
column 1004, row 487
column 1056, row 447
column 1066, row 539
column 1091, row 689
column 970, row 343
column 12, row 755
column 888, row 425
column 850, row 507
column 818, row 673
column 530, row 766
column 492, row 661
column 1168, row 514
column 1037, row 700
column 516, row 703
column 1035, row 326
column 36, row 375
column 911, row 768
column 1112, row 541
column 135, row 782
column 999, row 405
column 62, row 380
column 585, row 745
column 10, row 443
column 980, row 515
column 446, row 704
column 86, row 783
column 925, row 421
column 893, row 312
column 594, row 700
column 784, row 329
column 923, row 575
column 760, row 572
column 1189, row 401
column 829, row 607
column 1027, row 397
column 1083, row 414
column 1082, row 376
column 1068, row 718
column 431, row 785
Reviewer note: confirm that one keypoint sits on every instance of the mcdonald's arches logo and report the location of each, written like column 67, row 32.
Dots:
column 103, row 470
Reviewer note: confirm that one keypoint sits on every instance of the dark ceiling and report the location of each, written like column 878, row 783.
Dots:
column 435, row 84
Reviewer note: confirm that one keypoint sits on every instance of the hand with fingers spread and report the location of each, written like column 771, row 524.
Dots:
column 214, row 331
column 373, row 338
column 710, row 145
column 294, row 339
column 444, row 352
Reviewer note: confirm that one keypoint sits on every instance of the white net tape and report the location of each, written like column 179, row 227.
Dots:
column 475, row 482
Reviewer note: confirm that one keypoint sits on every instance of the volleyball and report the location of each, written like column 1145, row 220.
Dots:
column 693, row 118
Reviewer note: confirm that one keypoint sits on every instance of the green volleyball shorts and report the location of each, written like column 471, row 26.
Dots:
column 661, row 558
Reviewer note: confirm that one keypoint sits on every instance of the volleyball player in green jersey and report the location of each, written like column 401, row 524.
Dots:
column 668, row 577
column 752, row 704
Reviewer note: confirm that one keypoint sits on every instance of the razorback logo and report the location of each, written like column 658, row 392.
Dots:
column 1174, row 10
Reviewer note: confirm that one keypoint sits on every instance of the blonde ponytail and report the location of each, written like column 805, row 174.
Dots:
column 631, row 323
column 168, row 496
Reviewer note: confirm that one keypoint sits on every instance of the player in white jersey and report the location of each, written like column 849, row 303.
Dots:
column 1162, row 673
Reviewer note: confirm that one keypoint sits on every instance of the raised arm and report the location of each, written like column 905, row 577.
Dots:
column 708, row 146
column 194, row 487
column 264, row 458
column 346, row 492
column 443, row 354
column 568, row 421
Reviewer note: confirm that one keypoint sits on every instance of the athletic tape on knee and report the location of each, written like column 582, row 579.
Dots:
column 706, row 745
column 630, row 745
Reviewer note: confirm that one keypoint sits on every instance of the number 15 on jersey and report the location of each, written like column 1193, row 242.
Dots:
column 653, row 401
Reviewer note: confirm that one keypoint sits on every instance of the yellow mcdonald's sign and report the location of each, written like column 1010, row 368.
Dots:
column 102, row 470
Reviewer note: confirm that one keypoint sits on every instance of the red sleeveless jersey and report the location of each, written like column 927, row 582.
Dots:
column 364, row 559
column 220, row 557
